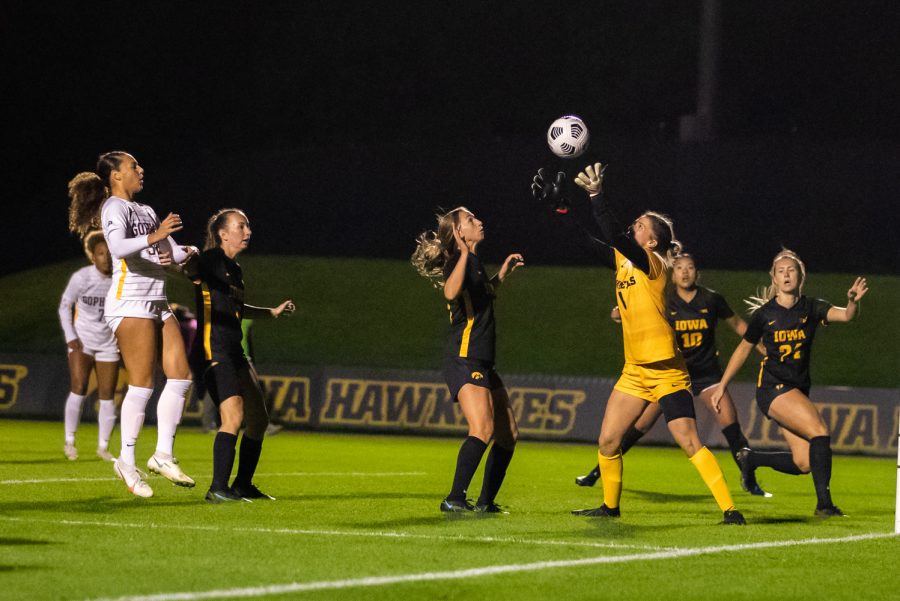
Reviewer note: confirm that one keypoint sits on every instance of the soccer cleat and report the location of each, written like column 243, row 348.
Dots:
column 133, row 479
column 273, row 429
column 70, row 452
column 452, row 506
column 832, row 511
column 599, row 512
column 748, row 474
column 490, row 508
column 733, row 517
column 590, row 479
column 755, row 489
column 105, row 455
column 224, row 496
column 250, row 492
column 168, row 468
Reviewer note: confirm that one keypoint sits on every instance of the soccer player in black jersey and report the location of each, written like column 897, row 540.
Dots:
column 230, row 377
column 694, row 311
column 786, row 322
column 448, row 257
column 654, row 370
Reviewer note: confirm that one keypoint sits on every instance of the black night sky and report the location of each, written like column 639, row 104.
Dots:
column 341, row 126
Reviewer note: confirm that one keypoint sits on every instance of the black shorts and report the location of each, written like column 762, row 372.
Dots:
column 703, row 379
column 678, row 404
column 765, row 395
column 459, row 371
column 223, row 379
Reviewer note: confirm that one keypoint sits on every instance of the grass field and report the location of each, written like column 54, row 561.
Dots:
column 357, row 518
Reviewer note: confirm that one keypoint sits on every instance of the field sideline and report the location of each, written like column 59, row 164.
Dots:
column 357, row 518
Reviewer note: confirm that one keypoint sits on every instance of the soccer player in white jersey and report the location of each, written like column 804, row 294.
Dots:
column 136, row 307
column 91, row 344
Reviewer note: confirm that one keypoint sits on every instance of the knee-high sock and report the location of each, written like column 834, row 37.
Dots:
column 494, row 473
column 736, row 439
column 168, row 413
column 780, row 461
column 820, row 465
column 467, row 461
column 223, row 459
column 250, row 451
column 106, row 421
column 709, row 469
column 611, row 475
column 133, row 407
column 74, row 402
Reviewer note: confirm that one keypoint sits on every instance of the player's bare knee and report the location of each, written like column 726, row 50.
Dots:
column 483, row 431
column 609, row 446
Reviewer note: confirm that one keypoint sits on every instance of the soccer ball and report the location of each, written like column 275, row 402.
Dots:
column 568, row 137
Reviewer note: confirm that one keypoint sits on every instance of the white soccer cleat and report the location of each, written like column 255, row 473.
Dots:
column 70, row 452
column 105, row 455
column 168, row 468
column 133, row 479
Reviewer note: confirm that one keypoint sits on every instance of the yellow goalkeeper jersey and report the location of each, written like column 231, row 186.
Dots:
column 641, row 298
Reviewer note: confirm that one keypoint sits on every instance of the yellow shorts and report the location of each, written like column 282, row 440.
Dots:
column 652, row 381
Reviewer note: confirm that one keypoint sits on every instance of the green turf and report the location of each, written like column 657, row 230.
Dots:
column 89, row 539
column 553, row 320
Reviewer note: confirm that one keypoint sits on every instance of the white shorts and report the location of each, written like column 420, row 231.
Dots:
column 106, row 354
column 116, row 310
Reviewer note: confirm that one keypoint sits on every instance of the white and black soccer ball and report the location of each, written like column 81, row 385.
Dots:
column 568, row 137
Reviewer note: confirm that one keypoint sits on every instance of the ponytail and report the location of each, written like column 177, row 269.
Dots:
column 88, row 190
column 216, row 223
column 435, row 247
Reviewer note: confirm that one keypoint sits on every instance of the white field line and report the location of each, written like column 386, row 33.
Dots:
column 279, row 474
column 299, row 587
column 358, row 533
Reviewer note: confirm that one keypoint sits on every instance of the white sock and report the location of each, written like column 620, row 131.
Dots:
column 74, row 403
column 168, row 414
column 106, row 420
column 133, row 407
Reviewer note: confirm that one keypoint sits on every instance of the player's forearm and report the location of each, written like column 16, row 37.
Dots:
column 614, row 235
column 65, row 320
column 843, row 314
column 454, row 283
column 253, row 312
column 121, row 247
column 738, row 357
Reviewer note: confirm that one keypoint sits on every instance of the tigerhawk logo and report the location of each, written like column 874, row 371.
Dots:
column 477, row 375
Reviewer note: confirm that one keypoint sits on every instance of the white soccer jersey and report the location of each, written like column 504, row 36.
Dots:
column 137, row 274
column 86, row 293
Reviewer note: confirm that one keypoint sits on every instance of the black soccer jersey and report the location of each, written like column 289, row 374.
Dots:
column 695, row 327
column 472, row 329
column 787, row 335
column 219, row 289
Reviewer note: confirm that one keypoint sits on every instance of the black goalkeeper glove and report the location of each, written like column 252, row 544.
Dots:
column 552, row 192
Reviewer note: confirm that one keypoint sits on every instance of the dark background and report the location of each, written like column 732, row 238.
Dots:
column 340, row 127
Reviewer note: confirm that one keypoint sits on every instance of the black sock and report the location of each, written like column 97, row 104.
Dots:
column 820, row 465
column 631, row 436
column 250, row 450
column 780, row 461
column 467, row 461
column 223, row 459
column 494, row 472
column 736, row 439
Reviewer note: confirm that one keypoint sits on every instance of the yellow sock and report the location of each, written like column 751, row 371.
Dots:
column 611, row 476
column 709, row 469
